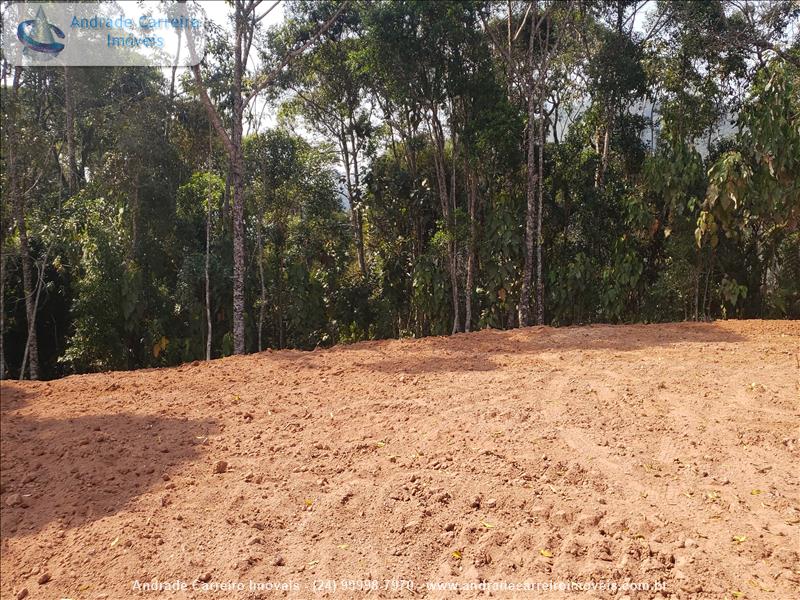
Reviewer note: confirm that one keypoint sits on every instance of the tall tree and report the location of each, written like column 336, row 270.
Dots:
column 547, row 28
column 331, row 87
column 17, row 202
column 245, row 25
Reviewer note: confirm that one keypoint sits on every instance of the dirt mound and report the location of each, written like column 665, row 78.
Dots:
column 654, row 454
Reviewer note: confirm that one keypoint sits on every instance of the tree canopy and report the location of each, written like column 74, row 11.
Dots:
column 429, row 168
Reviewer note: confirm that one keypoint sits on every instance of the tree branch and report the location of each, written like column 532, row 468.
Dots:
column 503, row 53
column 269, row 10
column 213, row 115
column 269, row 77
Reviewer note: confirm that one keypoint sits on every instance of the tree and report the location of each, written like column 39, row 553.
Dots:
column 332, row 95
column 565, row 162
column 17, row 201
column 245, row 24
column 753, row 190
column 297, row 219
column 421, row 55
column 542, row 28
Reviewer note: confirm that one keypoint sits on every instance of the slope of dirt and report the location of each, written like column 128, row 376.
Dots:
column 650, row 453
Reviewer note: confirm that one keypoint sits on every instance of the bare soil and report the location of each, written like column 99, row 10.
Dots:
column 646, row 453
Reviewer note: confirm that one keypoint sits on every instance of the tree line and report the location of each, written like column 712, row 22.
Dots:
column 373, row 169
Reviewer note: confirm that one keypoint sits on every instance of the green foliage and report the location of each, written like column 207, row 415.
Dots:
column 107, row 289
column 761, row 180
column 670, row 184
column 500, row 254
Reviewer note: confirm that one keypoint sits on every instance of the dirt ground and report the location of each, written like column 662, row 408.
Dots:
column 664, row 455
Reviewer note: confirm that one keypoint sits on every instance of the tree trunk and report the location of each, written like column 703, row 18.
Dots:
column 69, row 131
column 608, row 126
column 706, row 294
column 209, row 327
column 447, row 213
column 509, row 49
column 453, row 243
column 18, row 206
column 172, row 87
column 238, row 253
column 473, row 244
column 359, row 217
column 2, row 315
column 135, row 213
column 226, row 197
column 697, row 274
column 244, row 32
column 530, row 211
column 351, row 180
column 539, row 214
column 263, row 298
column 279, row 299
column 604, row 150
column 237, row 176
column 359, row 225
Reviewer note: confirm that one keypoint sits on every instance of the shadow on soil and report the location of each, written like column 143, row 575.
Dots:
column 74, row 471
column 484, row 350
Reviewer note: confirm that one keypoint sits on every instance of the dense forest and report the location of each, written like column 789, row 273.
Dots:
column 374, row 169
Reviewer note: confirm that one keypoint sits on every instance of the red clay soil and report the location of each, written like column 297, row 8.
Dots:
column 664, row 455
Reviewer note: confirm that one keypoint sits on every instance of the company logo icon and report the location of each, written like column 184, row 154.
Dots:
column 37, row 36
